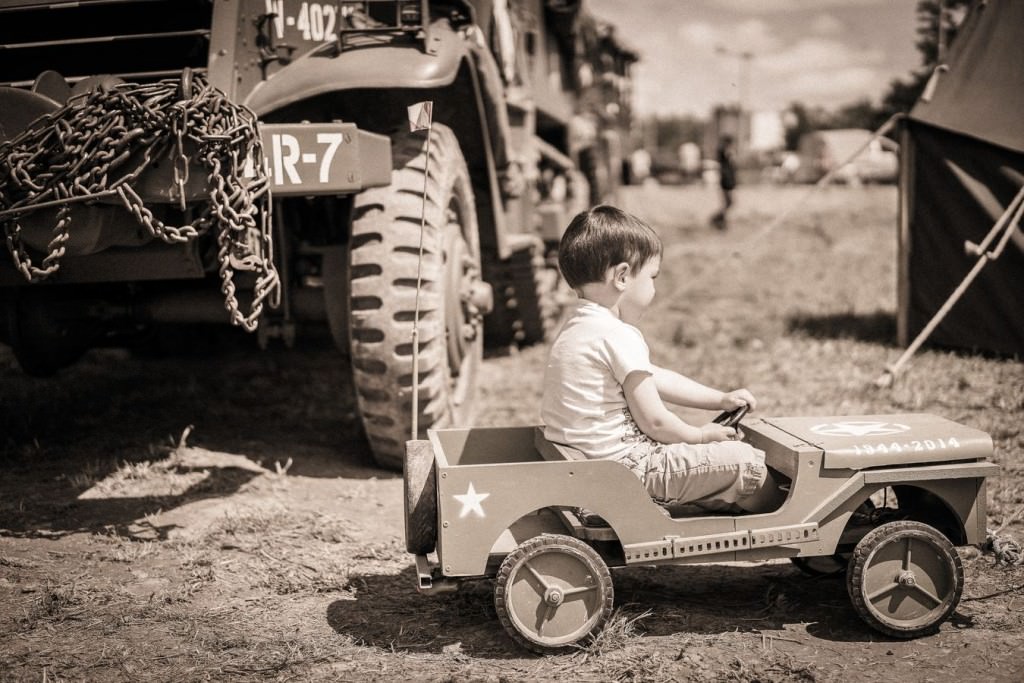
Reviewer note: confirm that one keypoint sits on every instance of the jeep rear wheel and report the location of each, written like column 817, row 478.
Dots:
column 384, row 261
column 552, row 592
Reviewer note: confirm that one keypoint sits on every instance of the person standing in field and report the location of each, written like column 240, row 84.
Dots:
column 726, row 181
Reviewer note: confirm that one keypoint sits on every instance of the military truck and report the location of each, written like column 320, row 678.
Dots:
column 164, row 160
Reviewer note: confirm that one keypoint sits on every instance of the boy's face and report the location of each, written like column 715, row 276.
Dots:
column 638, row 290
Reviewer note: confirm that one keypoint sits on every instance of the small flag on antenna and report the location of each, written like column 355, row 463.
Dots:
column 420, row 115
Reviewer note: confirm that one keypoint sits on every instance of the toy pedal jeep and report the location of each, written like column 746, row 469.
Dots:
column 885, row 497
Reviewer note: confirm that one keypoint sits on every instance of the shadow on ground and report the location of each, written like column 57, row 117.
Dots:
column 386, row 613
column 32, row 512
column 716, row 599
column 114, row 408
column 878, row 327
column 113, row 404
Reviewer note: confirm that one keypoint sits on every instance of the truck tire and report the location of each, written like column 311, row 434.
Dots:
column 383, row 266
column 526, row 297
column 43, row 341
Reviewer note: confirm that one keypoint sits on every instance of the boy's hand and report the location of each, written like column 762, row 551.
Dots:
column 735, row 399
column 716, row 432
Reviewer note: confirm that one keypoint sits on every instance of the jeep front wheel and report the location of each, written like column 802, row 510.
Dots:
column 905, row 579
column 384, row 266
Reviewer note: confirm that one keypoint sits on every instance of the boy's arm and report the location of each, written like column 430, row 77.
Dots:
column 683, row 391
column 658, row 422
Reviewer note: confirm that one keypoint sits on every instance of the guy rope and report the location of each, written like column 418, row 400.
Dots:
column 822, row 182
column 98, row 144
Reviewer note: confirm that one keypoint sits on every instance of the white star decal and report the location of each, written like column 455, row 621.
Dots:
column 471, row 502
column 859, row 428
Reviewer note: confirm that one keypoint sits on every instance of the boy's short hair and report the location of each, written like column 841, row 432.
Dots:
column 601, row 238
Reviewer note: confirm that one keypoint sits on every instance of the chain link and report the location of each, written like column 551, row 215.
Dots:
column 99, row 143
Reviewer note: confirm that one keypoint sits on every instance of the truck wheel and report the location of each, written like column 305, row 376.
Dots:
column 383, row 257
column 420, row 498
column 552, row 592
column 526, row 306
column 905, row 579
column 43, row 342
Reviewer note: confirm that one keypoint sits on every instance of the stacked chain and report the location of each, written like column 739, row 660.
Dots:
column 99, row 143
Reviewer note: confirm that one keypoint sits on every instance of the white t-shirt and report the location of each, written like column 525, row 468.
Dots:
column 583, row 404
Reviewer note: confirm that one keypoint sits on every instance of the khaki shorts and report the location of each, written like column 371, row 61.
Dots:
column 706, row 474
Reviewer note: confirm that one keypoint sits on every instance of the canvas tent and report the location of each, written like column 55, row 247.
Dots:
column 962, row 164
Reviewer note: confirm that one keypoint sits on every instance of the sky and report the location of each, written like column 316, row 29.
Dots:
column 819, row 52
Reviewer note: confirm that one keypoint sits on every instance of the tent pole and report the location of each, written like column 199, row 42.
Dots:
column 979, row 249
column 1005, row 223
column 908, row 170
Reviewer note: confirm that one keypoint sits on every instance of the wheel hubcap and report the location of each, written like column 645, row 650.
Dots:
column 906, row 579
column 553, row 596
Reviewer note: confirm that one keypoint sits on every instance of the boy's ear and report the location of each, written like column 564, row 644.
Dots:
column 619, row 274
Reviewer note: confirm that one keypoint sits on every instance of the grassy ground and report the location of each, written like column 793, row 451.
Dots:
column 263, row 544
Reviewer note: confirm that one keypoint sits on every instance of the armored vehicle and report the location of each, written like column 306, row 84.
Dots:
column 162, row 160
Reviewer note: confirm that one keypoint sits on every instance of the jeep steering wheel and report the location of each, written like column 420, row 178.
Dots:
column 731, row 418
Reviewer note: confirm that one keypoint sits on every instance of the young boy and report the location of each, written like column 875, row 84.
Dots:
column 603, row 396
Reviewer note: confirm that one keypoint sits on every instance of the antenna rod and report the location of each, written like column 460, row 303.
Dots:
column 420, row 118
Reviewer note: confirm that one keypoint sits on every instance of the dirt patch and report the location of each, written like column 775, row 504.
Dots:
column 266, row 545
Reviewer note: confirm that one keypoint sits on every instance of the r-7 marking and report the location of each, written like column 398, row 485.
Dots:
column 332, row 140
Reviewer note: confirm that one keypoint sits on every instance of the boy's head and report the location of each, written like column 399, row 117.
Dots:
column 602, row 238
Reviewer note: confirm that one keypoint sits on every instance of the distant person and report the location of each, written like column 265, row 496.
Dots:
column 726, row 181
column 790, row 166
column 689, row 159
column 639, row 165
column 604, row 396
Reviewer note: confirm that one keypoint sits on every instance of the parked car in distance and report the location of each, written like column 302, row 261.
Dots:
column 822, row 151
